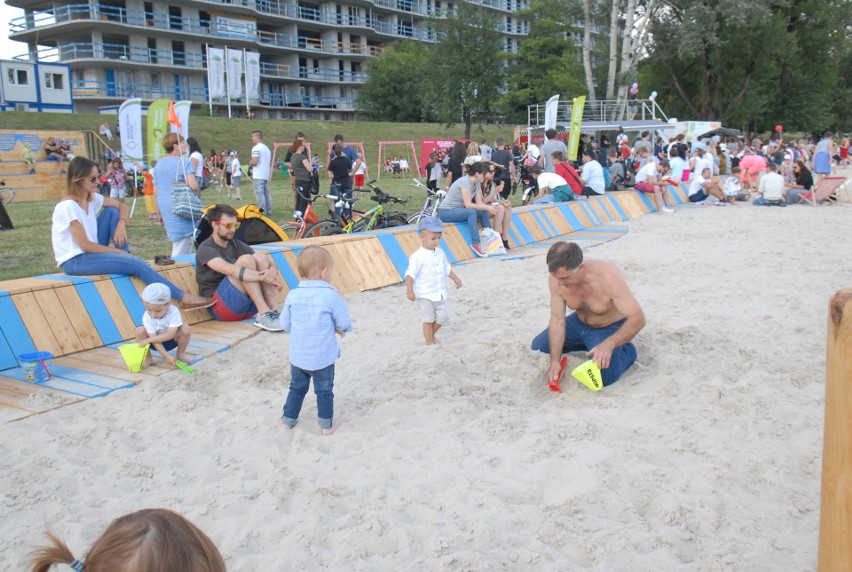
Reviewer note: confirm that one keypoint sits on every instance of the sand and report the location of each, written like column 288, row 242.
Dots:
column 706, row 455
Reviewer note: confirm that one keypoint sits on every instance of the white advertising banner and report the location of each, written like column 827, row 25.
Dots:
column 182, row 112
column 252, row 75
column 130, row 118
column 550, row 113
column 235, row 73
column 216, row 72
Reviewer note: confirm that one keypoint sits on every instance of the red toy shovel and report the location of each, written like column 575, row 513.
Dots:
column 554, row 383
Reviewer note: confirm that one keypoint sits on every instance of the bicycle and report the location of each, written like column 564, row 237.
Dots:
column 7, row 194
column 304, row 223
column 374, row 218
column 430, row 206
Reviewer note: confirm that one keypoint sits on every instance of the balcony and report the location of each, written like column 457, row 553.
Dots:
column 89, row 89
column 311, row 73
column 120, row 53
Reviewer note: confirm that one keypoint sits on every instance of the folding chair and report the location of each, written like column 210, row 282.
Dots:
column 827, row 187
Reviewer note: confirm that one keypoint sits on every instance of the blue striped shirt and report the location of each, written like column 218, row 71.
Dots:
column 312, row 312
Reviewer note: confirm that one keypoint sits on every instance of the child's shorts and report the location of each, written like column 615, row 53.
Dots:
column 231, row 304
column 117, row 193
column 434, row 311
column 169, row 345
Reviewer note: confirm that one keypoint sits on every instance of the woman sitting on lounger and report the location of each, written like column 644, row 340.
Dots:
column 81, row 236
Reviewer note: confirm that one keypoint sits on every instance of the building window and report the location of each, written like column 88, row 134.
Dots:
column 18, row 77
column 54, row 81
column 178, row 53
column 175, row 18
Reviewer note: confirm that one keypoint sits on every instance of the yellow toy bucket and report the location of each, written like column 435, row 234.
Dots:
column 133, row 355
column 589, row 375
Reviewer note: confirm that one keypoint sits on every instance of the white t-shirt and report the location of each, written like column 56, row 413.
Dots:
column 732, row 186
column 362, row 168
column 236, row 169
column 594, row 177
column 533, row 151
column 550, row 180
column 67, row 211
column 264, row 161
column 403, row 164
column 157, row 326
column 705, row 162
column 428, row 268
column 772, row 186
column 695, row 183
column 649, row 169
column 199, row 164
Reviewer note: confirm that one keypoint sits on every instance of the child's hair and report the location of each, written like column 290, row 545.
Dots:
column 149, row 540
column 736, row 170
column 313, row 259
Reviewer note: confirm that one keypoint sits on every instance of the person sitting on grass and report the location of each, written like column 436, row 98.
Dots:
column 162, row 326
column 702, row 187
column 771, row 189
column 241, row 282
column 81, row 236
column 424, row 278
column 313, row 312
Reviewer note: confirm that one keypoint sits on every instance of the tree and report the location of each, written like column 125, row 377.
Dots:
column 548, row 58
column 466, row 66
column 397, row 88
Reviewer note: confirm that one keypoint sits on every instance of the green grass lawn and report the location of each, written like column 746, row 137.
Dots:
column 26, row 251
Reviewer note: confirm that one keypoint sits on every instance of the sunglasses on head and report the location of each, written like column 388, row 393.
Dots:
column 228, row 225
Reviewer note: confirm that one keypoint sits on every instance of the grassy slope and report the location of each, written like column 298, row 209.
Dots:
column 26, row 251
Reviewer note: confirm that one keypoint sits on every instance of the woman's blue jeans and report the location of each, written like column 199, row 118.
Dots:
column 91, row 263
column 469, row 216
column 580, row 337
column 300, row 380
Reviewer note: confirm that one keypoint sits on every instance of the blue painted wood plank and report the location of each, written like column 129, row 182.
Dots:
column 14, row 329
column 289, row 276
column 647, row 201
column 570, row 216
column 605, row 206
column 544, row 222
column 614, row 202
column 590, row 212
column 394, row 251
column 98, row 312
column 60, row 384
column 521, row 228
column 90, row 378
column 131, row 298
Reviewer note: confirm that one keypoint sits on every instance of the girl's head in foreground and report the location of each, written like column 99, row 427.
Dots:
column 150, row 540
column 315, row 263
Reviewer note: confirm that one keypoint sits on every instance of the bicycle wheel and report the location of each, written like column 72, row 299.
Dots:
column 6, row 196
column 395, row 219
column 415, row 218
column 322, row 228
column 292, row 230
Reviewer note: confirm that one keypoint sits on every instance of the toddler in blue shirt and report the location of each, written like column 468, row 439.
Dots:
column 312, row 312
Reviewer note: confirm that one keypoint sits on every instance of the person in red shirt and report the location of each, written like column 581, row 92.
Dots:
column 567, row 172
column 150, row 197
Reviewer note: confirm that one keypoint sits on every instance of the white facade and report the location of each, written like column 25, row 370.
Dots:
column 313, row 54
column 27, row 86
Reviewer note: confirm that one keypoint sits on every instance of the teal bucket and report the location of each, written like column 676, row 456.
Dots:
column 35, row 366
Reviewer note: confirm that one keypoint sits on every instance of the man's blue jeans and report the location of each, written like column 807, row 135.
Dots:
column 90, row 263
column 580, row 337
column 300, row 380
column 469, row 216
column 261, row 194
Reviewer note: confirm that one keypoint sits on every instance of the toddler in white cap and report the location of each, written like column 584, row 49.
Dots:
column 425, row 278
column 162, row 325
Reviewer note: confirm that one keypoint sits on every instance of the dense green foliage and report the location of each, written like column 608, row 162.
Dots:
column 399, row 88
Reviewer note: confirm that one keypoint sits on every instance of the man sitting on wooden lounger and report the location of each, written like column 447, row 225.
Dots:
column 243, row 283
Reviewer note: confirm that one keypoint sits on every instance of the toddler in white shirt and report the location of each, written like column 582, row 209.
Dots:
column 424, row 279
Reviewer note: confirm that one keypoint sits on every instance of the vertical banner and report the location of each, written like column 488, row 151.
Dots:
column 550, row 114
column 181, row 109
column 130, row 119
column 158, row 126
column 235, row 74
column 252, row 75
column 576, row 124
column 216, row 72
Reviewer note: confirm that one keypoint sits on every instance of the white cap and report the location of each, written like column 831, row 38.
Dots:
column 156, row 293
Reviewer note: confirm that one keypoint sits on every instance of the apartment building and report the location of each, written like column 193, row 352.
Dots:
column 313, row 54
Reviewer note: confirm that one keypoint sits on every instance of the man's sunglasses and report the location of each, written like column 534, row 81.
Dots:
column 228, row 225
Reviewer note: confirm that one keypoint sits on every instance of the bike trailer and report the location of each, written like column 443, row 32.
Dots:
column 254, row 227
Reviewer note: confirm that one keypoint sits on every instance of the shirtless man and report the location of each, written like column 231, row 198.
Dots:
column 607, row 315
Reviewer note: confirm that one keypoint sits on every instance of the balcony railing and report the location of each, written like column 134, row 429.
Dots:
column 311, row 73
column 121, row 53
column 600, row 110
column 102, row 89
column 143, row 19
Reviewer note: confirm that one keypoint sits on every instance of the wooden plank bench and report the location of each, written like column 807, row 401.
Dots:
column 83, row 319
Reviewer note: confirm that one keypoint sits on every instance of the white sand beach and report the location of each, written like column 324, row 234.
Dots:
column 705, row 456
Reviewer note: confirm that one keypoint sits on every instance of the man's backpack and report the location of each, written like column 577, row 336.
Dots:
column 607, row 178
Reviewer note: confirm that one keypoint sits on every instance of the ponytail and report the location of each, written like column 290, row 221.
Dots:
column 57, row 553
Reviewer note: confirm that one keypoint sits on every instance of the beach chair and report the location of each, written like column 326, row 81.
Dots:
column 827, row 188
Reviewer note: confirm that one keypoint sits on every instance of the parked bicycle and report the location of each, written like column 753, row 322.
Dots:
column 304, row 223
column 430, row 206
column 7, row 194
column 376, row 217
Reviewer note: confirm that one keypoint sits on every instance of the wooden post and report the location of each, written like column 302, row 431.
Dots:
column 835, row 525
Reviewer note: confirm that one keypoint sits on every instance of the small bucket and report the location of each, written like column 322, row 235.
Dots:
column 35, row 366
column 133, row 355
